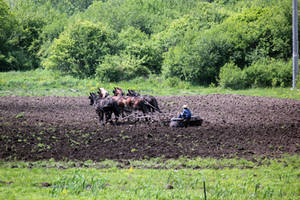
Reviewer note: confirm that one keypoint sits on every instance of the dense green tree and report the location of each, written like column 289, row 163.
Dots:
column 184, row 39
column 136, row 43
column 38, row 24
column 149, row 16
column 242, row 38
column 80, row 49
column 200, row 18
column 8, row 25
column 254, row 33
column 198, row 58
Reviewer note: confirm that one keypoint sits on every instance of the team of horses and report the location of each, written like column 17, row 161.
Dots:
column 121, row 104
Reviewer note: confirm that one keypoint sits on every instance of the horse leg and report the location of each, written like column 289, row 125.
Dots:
column 116, row 113
column 108, row 116
column 100, row 114
column 145, row 111
column 123, row 115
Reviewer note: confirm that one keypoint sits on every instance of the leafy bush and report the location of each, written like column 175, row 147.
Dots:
column 136, row 43
column 177, row 83
column 263, row 73
column 242, row 38
column 231, row 76
column 197, row 59
column 8, row 24
column 149, row 16
column 202, row 17
column 254, row 33
column 121, row 67
column 80, row 49
column 267, row 73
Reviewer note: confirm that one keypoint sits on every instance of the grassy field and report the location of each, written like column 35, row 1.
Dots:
column 46, row 83
column 273, row 179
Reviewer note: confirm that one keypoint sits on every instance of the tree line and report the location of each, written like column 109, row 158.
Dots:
column 233, row 43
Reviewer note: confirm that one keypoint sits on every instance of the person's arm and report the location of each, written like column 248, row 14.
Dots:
column 185, row 113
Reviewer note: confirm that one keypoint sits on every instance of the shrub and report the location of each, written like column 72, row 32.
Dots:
column 177, row 83
column 244, row 38
column 8, row 24
column 197, row 59
column 80, row 49
column 121, row 67
column 267, row 73
column 232, row 77
column 136, row 43
column 263, row 73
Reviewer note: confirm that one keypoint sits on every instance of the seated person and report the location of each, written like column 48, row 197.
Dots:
column 186, row 113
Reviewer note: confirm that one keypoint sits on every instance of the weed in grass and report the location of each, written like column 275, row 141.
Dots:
column 76, row 184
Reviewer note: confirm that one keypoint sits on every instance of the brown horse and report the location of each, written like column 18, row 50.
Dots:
column 128, row 103
column 104, row 107
column 150, row 100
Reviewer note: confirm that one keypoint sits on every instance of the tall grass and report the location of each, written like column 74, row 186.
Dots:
column 47, row 83
column 277, row 179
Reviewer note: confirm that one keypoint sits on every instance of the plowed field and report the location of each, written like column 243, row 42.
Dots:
column 34, row 128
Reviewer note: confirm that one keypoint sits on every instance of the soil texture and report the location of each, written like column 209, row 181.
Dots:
column 35, row 128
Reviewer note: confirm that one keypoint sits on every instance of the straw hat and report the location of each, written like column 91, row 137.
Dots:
column 184, row 106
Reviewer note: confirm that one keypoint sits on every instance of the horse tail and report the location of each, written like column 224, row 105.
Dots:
column 152, row 102
column 156, row 105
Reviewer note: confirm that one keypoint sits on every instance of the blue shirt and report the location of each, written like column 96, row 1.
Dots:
column 186, row 114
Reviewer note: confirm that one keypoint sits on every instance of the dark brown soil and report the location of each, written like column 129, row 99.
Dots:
column 34, row 128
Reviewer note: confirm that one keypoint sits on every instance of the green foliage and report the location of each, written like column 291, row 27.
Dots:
column 201, row 17
column 194, row 53
column 80, row 49
column 271, row 179
column 181, row 39
column 149, row 16
column 231, row 76
column 177, row 83
column 8, row 25
column 267, row 73
column 197, row 59
column 242, row 38
column 7, row 22
column 121, row 67
column 263, row 73
column 38, row 24
column 135, row 43
column 254, row 33
column 76, row 184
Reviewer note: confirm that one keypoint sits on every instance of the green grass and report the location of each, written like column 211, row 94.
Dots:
column 46, row 83
column 275, row 179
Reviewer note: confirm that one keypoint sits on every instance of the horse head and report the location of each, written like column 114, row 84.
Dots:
column 103, row 93
column 118, row 92
column 92, row 98
column 133, row 93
